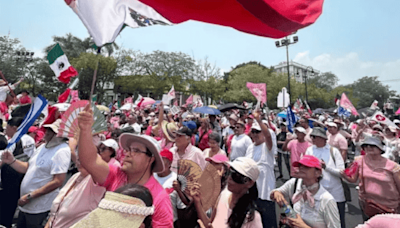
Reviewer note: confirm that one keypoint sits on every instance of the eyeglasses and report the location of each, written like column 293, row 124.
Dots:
column 255, row 132
column 368, row 145
column 137, row 151
column 237, row 127
column 238, row 177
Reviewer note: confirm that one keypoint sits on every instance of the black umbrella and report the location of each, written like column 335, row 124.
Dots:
column 318, row 111
column 230, row 106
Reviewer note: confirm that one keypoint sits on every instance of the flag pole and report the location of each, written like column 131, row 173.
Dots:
column 2, row 76
column 94, row 76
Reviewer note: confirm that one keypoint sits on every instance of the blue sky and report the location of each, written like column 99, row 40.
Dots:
column 351, row 39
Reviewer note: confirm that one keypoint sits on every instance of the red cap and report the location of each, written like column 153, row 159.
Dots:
column 32, row 129
column 165, row 153
column 309, row 161
column 218, row 158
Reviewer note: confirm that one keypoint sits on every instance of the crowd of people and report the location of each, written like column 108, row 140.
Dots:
column 129, row 175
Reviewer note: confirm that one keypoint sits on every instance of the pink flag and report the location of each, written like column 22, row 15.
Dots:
column 128, row 100
column 398, row 111
column 259, row 90
column 74, row 96
column 171, row 93
column 346, row 103
column 64, row 96
column 189, row 100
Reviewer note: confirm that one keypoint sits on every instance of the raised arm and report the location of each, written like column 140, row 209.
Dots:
column 264, row 129
column 19, row 166
column 87, row 151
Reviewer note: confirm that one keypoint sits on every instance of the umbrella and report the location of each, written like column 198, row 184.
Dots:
column 207, row 110
column 282, row 114
column 146, row 101
column 230, row 106
column 213, row 106
column 127, row 106
column 103, row 108
column 318, row 111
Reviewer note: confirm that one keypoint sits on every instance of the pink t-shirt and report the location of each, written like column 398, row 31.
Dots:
column 223, row 213
column 382, row 221
column 114, row 162
column 380, row 185
column 338, row 141
column 163, row 215
column 297, row 149
column 203, row 144
column 79, row 202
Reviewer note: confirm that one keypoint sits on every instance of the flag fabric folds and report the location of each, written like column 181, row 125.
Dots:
column 259, row 91
column 36, row 109
column 290, row 118
column 64, row 96
column 104, row 19
column 381, row 118
column 346, row 103
column 60, row 65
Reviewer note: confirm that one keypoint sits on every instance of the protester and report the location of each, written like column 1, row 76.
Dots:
column 261, row 151
column 141, row 160
column 337, row 140
column 166, row 177
column 169, row 136
column 213, row 141
column 79, row 193
column 204, row 131
column 44, row 174
column 240, row 141
column 108, row 150
column 332, row 164
column 183, row 149
column 128, row 206
column 236, row 206
column 304, row 124
column 379, row 179
column 315, row 207
column 297, row 147
column 25, row 99
column 281, row 138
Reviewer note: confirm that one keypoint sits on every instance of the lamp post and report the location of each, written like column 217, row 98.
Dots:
column 305, row 72
column 286, row 42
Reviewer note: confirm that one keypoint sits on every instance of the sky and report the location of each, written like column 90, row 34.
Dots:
column 351, row 39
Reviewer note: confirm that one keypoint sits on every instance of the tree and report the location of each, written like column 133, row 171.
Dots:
column 369, row 88
column 325, row 81
column 71, row 45
column 10, row 64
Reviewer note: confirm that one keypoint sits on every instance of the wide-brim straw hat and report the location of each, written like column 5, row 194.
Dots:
column 169, row 129
column 150, row 143
column 373, row 140
column 116, row 210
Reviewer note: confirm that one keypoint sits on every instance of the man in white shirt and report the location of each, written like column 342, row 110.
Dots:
column 44, row 175
column 132, row 121
column 167, row 177
column 240, row 142
column 332, row 166
column 261, row 151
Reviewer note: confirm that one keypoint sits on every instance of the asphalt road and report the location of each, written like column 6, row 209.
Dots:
column 353, row 216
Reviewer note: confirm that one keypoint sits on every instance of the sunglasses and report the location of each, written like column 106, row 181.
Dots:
column 368, row 145
column 255, row 132
column 238, row 177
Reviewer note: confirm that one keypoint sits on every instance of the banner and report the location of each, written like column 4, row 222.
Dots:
column 34, row 112
column 290, row 118
column 346, row 103
column 259, row 91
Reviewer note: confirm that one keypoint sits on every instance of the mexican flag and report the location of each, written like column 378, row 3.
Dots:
column 59, row 64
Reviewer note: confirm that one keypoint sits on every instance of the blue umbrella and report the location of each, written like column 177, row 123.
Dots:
column 207, row 110
column 282, row 114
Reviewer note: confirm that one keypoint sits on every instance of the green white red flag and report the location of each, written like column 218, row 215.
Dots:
column 60, row 65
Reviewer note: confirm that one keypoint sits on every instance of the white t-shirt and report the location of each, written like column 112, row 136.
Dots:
column 265, row 163
column 331, row 174
column 45, row 163
column 239, row 146
column 28, row 145
column 137, row 128
column 167, row 181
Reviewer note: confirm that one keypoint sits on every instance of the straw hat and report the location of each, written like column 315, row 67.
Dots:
column 319, row 132
column 169, row 129
column 54, row 126
column 117, row 210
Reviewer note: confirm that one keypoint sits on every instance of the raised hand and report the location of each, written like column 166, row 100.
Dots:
column 85, row 119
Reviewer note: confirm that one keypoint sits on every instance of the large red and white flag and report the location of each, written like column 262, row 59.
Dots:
column 259, row 91
column 308, row 107
column 189, row 100
column 346, row 103
column 171, row 93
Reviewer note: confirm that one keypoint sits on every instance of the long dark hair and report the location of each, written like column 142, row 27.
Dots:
column 245, row 207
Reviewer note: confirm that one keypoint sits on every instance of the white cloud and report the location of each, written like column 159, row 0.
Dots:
column 349, row 68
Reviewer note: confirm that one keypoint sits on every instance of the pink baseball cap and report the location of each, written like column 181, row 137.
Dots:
column 309, row 161
column 218, row 158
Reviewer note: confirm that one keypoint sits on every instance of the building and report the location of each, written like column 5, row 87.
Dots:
column 297, row 70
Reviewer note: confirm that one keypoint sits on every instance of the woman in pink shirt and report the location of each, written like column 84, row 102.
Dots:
column 379, row 177
column 204, row 131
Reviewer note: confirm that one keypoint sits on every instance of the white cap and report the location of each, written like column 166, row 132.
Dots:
column 331, row 124
column 396, row 121
column 246, row 166
column 118, row 111
column 111, row 143
column 301, row 129
column 256, row 126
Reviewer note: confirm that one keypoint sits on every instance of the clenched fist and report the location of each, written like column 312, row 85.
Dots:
column 7, row 157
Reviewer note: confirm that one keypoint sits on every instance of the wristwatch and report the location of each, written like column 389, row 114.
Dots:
column 29, row 197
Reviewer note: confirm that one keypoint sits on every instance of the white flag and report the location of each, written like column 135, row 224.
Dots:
column 171, row 93
column 379, row 117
